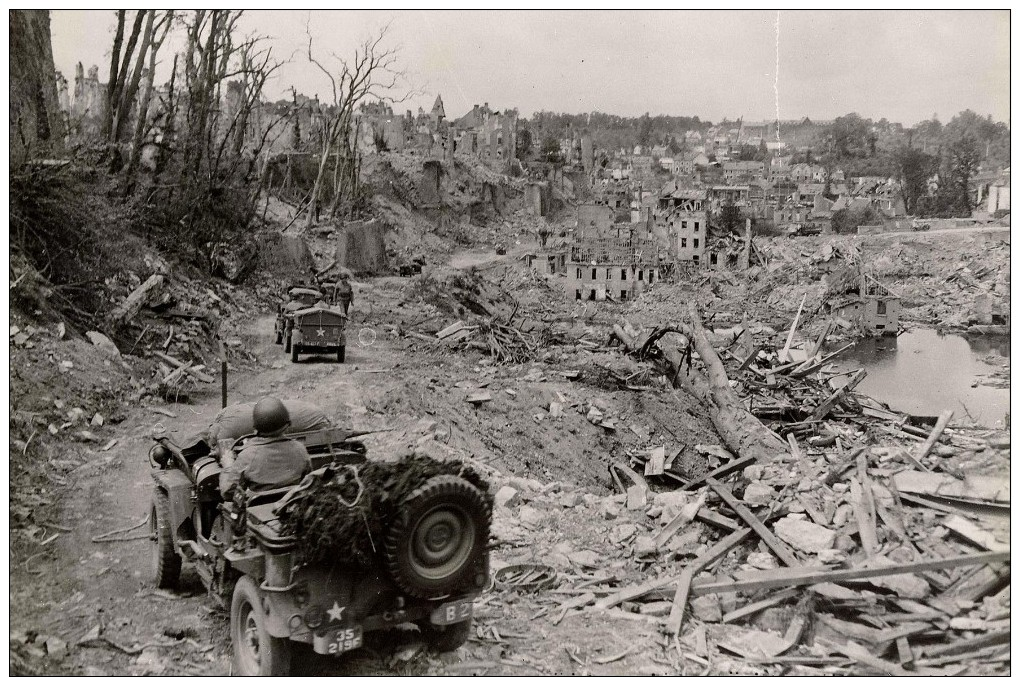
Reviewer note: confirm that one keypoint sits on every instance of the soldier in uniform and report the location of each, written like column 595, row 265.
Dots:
column 343, row 293
column 268, row 460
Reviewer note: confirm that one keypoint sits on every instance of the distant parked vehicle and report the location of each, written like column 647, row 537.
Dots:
column 917, row 226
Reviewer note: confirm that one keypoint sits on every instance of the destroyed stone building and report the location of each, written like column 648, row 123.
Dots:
column 610, row 268
column 859, row 300
column 683, row 215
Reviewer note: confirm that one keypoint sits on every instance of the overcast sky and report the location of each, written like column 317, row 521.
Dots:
column 903, row 66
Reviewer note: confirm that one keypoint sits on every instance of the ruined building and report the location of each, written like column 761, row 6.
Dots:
column 682, row 219
column 486, row 133
column 601, row 268
column 859, row 300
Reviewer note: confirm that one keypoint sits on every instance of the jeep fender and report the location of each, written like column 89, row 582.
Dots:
column 178, row 488
column 296, row 336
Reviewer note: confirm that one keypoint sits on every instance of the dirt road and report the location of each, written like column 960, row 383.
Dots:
column 75, row 588
column 79, row 584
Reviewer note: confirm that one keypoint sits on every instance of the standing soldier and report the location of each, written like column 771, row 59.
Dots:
column 343, row 293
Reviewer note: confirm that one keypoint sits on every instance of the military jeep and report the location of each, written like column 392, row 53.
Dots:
column 298, row 298
column 434, row 557
column 317, row 330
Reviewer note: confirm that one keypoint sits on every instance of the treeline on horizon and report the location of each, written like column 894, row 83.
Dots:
column 859, row 145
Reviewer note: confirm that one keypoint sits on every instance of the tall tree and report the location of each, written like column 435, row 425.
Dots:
column 914, row 169
column 371, row 71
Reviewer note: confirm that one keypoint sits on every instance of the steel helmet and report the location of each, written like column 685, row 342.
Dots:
column 270, row 416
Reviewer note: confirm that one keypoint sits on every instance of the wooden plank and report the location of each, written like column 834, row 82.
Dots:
column 821, row 339
column 636, row 591
column 952, row 506
column 784, row 354
column 823, row 409
column 966, row 645
column 452, row 329
column 776, row 545
column 974, row 487
column 668, row 463
column 864, row 507
column 194, row 371
column 722, row 471
column 780, row 578
column 676, row 615
column 964, row 528
column 900, row 631
column 933, row 437
column 709, row 516
column 656, row 463
column 903, row 651
column 866, row 657
column 748, row 360
column 755, row 607
column 807, row 371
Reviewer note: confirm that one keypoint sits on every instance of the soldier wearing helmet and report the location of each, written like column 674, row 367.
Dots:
column 343, row 293
column 268, row 460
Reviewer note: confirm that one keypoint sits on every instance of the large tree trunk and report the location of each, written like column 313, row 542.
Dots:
column 118, row 39
column 128, row 94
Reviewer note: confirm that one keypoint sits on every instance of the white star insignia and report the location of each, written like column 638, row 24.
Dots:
column 320, row 332
column 335, row 612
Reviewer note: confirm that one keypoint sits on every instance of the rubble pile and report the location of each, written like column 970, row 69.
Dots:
column 853, row 550
column 965, row 287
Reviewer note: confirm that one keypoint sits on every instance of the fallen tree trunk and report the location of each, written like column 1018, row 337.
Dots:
column 739, row 428
column 742, row 433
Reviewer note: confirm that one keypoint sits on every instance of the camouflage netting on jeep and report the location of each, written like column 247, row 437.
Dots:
column 341, row 513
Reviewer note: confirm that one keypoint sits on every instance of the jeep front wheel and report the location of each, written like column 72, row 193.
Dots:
column 341, row 354
column 256, row 652
column 437, row 538
column 166, row 563
column 295, row 351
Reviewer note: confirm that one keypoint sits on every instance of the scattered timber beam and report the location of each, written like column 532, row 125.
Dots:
column 755, row 607
column 821, row 339
column 776, row 545
column 972, row 487
column 676, row 614
column 714, row 519
column 862, row 655
column 722, row 471
column 824, row 361
column 936, row 432
column 826, row 406
column 784, row 354
column 966, row 645
column 967, row 530
column 635, row 591
column 194, row 371
column 130, row 306
column 780, row 578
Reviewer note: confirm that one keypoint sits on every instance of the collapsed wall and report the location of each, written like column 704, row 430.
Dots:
column 361, row 246
column 284, row 256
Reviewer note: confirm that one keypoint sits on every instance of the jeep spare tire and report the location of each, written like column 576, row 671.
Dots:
column 435, row 542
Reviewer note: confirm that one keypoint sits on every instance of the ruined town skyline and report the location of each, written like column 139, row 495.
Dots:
column 830, row 63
